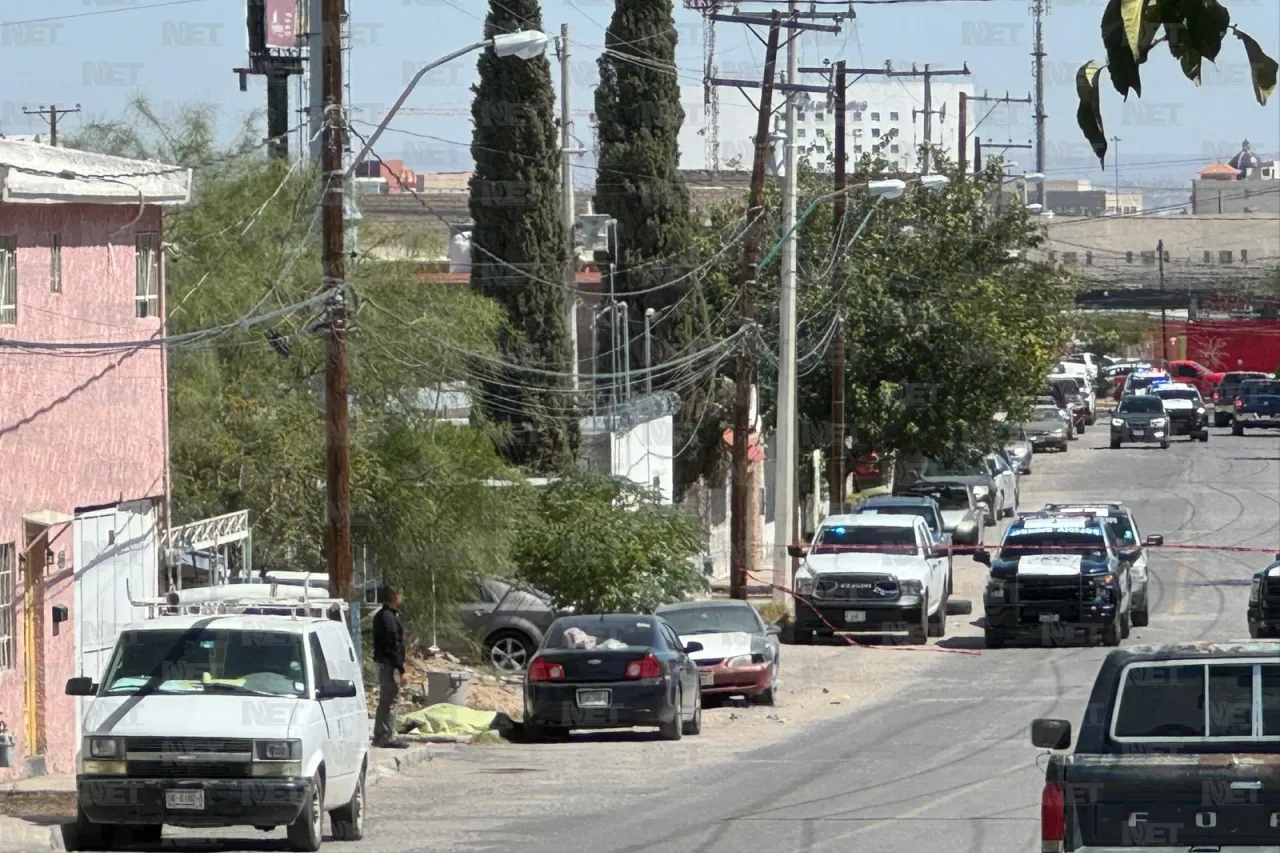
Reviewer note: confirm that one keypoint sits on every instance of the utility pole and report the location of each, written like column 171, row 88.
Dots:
column 741, row 503
column 784, row 470
column 276, row 55
column 1115, row 162
column 566, row 199
column 986, row 99
column 51, row 114
column 977, row 154
column 835, row 454
column 962, row 120
column 1164, row 329
column 1037, row 10
column 336, row 416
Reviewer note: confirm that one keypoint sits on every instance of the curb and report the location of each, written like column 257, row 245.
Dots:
column 394, row 765
column 20, row 832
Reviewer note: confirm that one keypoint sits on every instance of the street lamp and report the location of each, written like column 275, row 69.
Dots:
column 525, row 44
column 887, row 189
column 934, row 182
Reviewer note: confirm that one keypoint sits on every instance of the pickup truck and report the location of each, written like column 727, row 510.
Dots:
column 874, row 574
column 1177, row 751
column 962, row 514
column 1257, row 406
column 1227, row 391
column 1264, row 603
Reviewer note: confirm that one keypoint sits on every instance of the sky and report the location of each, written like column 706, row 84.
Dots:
column 102, row 53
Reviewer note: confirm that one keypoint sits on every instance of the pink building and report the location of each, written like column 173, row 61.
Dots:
column 83, row 425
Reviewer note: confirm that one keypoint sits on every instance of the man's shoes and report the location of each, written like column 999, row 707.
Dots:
column 391, row 744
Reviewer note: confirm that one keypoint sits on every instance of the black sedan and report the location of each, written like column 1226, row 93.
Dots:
column 612, row 672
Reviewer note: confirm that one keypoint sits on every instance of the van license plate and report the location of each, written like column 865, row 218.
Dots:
column 184, row 800
column 593, row 698
column 1048, row 617
column 708, row 679
column 854, row 616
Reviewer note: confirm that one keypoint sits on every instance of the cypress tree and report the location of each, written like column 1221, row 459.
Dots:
column 639, row 184
column 518, row 245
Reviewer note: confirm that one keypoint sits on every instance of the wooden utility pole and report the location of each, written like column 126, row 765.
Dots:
column 1164, row 329
column 962, row 134
column 836, row 455
column 1037, row 11
column 51, row 114
column 977, row 141
column 336, row 417
column 741, row 504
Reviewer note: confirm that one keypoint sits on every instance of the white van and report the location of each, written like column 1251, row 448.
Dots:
column 230, row 706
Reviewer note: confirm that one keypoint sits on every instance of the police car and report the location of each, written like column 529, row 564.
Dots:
column 1061, row 572
column 1185, row 407
column 1141, row 380
column 1123, row 528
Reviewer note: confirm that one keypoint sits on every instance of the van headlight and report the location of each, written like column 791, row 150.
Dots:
column 277, row 750
column 1116, row 422
column 911, row 587
column 109, row 748
column 804, row 585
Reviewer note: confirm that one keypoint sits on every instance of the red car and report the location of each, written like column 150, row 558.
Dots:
column 1194, row 373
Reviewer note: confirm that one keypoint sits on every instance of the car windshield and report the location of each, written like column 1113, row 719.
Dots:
column 202, row 660
column 713, row 619
column 832, row 540
column 934, row 468
column 1029, row 543
column 600, row 634
column 1260, row 388
column 948, row 498
column 1136, row 382
column 1046, row 413
column 1140, row 405
column 923, row 511
column 1178, row 394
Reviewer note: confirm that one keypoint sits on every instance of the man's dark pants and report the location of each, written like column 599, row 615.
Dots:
column 388, row 690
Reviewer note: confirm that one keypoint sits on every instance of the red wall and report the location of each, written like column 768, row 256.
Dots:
column 1220, row 344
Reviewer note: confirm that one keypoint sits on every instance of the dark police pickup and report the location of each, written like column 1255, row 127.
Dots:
column 1059, row 572
column 1177, row 751
column 1257, row 406
column 1264, row 602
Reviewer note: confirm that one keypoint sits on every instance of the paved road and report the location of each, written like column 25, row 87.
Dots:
column 948, row 757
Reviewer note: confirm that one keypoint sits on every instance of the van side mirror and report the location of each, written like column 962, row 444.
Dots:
column 81, row 686
column 1051, row 734
column 773, row 630
column 690, row 648
column 1155, row 539
column 983, row 556
column 797, row 552
column 336, row 688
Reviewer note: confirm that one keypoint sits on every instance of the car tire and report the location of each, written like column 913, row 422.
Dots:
column 1221, row 419
column 307, row 832
column 509, row 650
column 1141, row 618
column 992, row 639
column 938, row 624
column 801, row 636
column 768, row 696
column 1026, row 473
column 1204, row 436
column 1125, row 626
column 145, row 833
column 1111, row 634
column 674, row 730
column 694, row 726
column 1081, row 429
column 1236, row 428
column 1164, row 445
column 1115, row 445
column 1065, row 447
column 93, row 836
column 918, row 635
column 347, row 821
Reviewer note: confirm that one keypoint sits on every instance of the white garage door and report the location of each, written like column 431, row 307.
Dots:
column 112, row 546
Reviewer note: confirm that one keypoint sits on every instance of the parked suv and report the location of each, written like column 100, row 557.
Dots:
column 1228, row 389
column 507, row 620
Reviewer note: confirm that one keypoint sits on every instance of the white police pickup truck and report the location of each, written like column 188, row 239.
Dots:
column 873, row 574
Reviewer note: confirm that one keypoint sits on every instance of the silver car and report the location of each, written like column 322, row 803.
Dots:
column 508, row 620
column 1018, row 448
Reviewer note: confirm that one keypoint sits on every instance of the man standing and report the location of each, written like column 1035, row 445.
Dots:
column 388, row 654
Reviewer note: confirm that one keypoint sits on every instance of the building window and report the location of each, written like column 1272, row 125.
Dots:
column 55, row 263
column 1224, row 256
column 6, row 606
column 821, row 116
column 875, row 133
column 800, row 133
column 1148, row 259
column 1208, row 256
column 1266, row 173
column 1070, row 258
column 820, row 132
column 1128, row 257
column 1088, row 259
column 800, row 116
column 857, row 115
column 8, row 281
column 893, row 149
column 1244, row 256
column 893, row 116
column 857, row 149
column 147, row 299
column 822, row 149
column 875, row 116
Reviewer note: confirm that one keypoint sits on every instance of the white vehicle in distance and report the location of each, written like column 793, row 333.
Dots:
column 872, row 574
column 236, row 705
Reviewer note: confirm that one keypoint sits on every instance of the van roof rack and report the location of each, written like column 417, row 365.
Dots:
column 243, row 599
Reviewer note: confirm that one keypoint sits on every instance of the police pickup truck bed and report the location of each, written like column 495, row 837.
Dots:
column 1257, row 406
column 1177, row 751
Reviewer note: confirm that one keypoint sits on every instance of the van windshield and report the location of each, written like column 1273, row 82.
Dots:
column 203, row 660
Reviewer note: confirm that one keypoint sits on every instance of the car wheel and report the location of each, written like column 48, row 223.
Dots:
column 1027, row 473
column 347, row 822
column 674, row 730
column 509, row 650
column 1221, row 420
column 1141, row 618
column 145, row 833
column 801, row 636
column 1065, row 447
column 1115, row 445
column 694, row 726
column 1204, row 436
column 305, row 833
column 768, row 696
column 93, row 836
column 1082, row 428
column 1125, row 626
column 1111, row 634
column 992, row 639
column 918, row 635
column 1164, row 445
column 1236, row 428
column 938, row 623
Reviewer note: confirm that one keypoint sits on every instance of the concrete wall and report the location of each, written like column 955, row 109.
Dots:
column 75, row 431
column 644, row 455
column 1249, row 196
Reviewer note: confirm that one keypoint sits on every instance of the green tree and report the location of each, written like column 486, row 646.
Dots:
column 605, row 545
column 518, row 246
column 639, row 184
column 1194, row 31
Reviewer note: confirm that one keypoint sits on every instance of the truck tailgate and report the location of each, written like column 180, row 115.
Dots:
column 1172, row 801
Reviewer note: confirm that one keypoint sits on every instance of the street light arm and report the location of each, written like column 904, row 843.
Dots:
column 404, row 96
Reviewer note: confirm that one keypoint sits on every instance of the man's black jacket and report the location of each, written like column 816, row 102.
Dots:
column 388, row 638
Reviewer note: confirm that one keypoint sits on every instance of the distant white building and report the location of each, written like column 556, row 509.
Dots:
column 877, row 112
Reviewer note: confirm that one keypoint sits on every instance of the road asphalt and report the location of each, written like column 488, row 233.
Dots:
column 942, row 760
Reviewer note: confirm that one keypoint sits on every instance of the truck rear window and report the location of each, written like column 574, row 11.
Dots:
column 1197, row 701
column 834, row 540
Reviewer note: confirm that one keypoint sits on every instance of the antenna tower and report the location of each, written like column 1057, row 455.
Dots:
column 710, row 93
